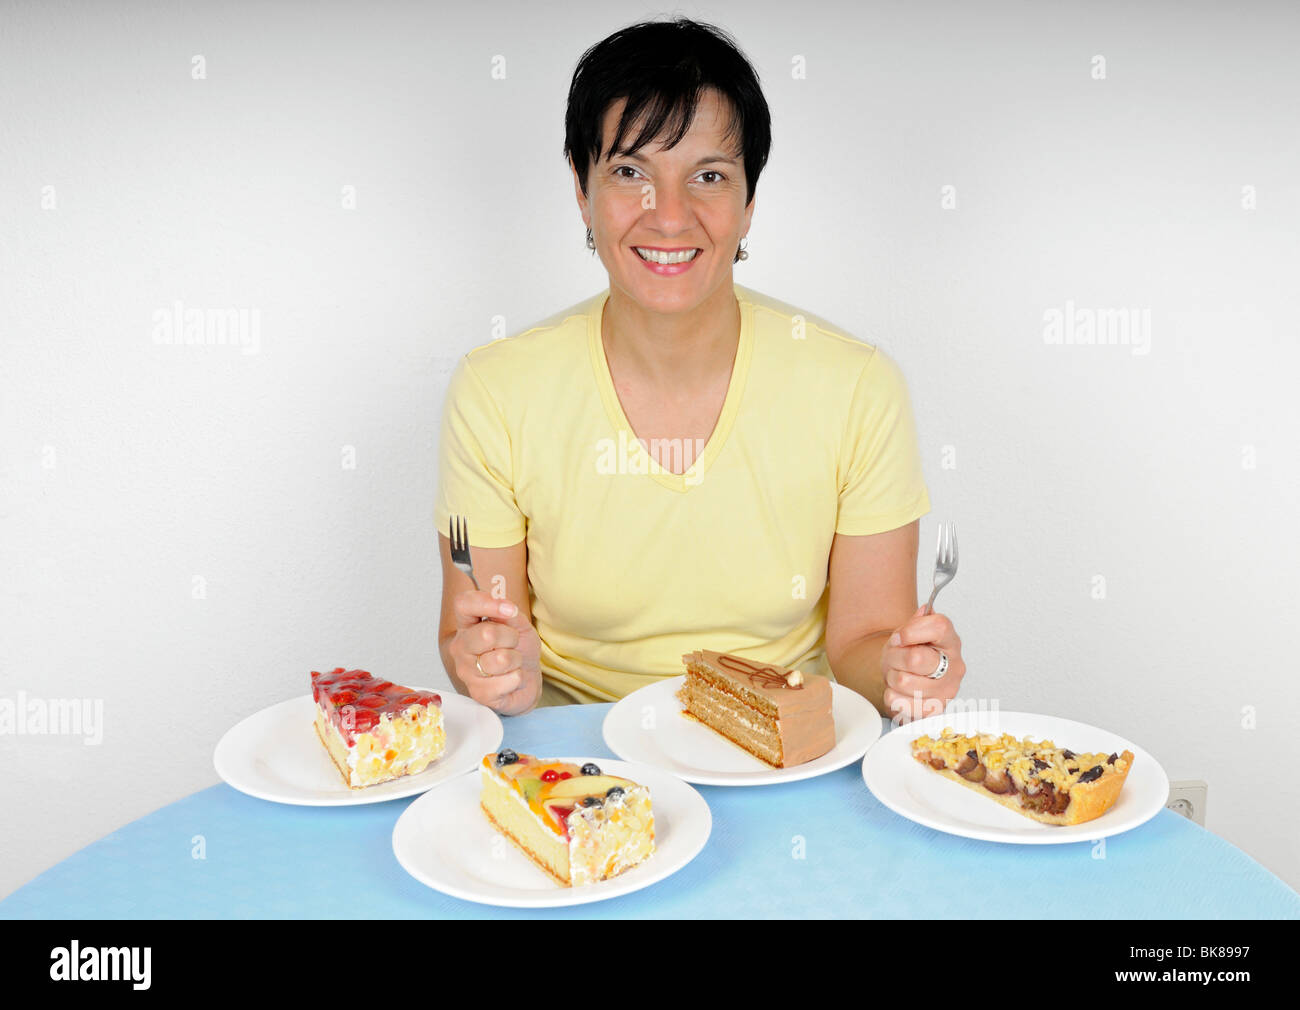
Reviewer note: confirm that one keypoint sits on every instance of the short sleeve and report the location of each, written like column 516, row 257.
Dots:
column 475, row 471
column 881, row 485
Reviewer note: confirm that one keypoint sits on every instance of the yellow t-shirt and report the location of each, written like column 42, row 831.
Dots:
column 630, row 565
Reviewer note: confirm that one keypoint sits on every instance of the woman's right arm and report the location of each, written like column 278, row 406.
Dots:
column 505, row 646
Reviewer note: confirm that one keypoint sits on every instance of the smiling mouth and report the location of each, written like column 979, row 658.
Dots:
column 665, row 257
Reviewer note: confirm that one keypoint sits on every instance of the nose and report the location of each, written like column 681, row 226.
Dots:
column 671, row 213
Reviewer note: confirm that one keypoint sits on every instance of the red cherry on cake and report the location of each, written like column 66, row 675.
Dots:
column 550, row 775
column 562, row 815
column 344, row 697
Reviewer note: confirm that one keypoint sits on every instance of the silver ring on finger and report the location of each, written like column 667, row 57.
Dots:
column 942, row 668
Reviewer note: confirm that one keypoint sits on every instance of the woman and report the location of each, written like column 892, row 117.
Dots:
column 680, row 462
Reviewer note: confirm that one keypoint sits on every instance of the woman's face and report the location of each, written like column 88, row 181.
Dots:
column 689, row 198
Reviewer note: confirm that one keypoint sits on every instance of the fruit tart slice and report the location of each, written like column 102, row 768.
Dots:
column 375, row 730
column 576, row 823
column 1040, row 780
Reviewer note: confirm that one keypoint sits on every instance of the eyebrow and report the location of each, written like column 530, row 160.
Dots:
column 703, row 161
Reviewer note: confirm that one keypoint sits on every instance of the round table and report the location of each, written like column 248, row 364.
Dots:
column 823, row 847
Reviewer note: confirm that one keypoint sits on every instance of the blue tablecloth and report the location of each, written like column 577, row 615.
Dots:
column 859, row 859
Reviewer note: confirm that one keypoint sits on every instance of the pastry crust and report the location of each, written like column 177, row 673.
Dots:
column 1088, row 801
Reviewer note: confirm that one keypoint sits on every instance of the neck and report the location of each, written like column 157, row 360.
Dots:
column 679, row 351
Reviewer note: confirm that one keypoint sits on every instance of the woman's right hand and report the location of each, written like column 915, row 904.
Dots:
column 498, row 659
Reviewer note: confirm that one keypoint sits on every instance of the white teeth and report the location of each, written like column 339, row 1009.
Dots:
column 665, row 258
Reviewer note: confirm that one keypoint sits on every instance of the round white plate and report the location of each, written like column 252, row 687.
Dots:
column 445, row 840
column 910, row 789
column 276, row 755
column 648, row 726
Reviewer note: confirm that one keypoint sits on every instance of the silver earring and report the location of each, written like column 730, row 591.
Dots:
column 742, row 253
column 591, row 242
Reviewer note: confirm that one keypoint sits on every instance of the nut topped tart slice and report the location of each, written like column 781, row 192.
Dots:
column 1040, row 780
column 576, row 823
column 375, row 730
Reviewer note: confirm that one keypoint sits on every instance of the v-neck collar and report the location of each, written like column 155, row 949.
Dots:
column 695, row 473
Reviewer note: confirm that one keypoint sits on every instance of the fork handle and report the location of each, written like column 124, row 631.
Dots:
column 929, row 604
column 470, row 573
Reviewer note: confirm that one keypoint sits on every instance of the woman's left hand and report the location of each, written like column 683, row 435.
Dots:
column 909, row 657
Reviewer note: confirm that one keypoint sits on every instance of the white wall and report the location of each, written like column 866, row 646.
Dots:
column 132, row 468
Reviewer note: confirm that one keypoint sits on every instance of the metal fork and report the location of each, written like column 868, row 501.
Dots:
column 945, row 561
column 459, row 537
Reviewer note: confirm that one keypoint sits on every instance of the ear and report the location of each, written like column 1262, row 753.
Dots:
column 579, row 195
column 749, row 214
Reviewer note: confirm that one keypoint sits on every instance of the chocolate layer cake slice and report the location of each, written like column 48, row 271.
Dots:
column 778, row 714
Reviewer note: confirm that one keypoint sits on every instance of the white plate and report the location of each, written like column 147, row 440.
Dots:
column 910, row 789
column 276, row 755
column 648, row 726
column 445, row 840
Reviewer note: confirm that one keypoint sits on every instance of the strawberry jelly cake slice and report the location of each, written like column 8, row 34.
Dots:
column 375, row 730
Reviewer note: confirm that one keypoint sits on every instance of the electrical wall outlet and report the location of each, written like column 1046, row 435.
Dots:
column 1188, row 799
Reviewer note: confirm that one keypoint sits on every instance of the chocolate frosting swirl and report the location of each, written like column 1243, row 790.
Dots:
column 763, row 676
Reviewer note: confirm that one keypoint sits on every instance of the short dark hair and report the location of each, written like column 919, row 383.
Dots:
column 662, row 68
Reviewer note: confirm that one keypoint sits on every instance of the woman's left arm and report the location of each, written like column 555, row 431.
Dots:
column 872, row 600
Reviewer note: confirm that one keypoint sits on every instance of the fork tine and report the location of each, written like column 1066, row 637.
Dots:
column 953, row 535
column 462, row 533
